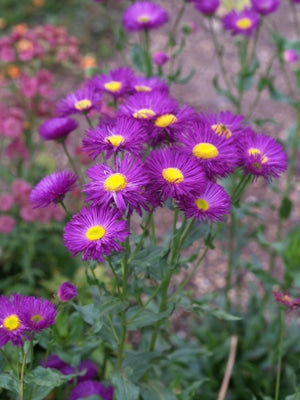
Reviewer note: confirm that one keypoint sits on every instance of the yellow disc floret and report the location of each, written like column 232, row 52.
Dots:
column 113, row 86
column 12, row 322
column 115, row 183
column 202, row 204
column 95, row 232
column 172, row 175
column 253, row 151
column 144, row 113
column 37, row 318
column 83, row 104
column 115, row 140
column 142, row 88
column 165, row 120
column 205, row 151
column 244, row 23
column 222, row 130
column 143, row 18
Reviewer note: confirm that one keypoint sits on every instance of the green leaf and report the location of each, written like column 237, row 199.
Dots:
column 285, row 208
column 148, row 317
column 9, row 382
column 215, row 312
column 187, row 78
column 137, row 57
column 224, row 92
column 140, row 362
column 124, row 388
column 154, row 390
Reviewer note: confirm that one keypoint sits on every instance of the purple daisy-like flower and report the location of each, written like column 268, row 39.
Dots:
column 90, row 388
column 217, row 155
column 124, row 186
column 262, row 155
column 91, row 370
column 224, row 124
column 38, row 313
column 286, row 299
column 67, row 292
column 145, row 84
column 160, row 58
column 144, row 15
column 116, row 82
column 265, row 7
column 241, row 22
column 148, row 106
column 212, row 204
column 207, row 7
column 12, row 325
column 57, row 128
column 95, row 232
column 52, row 188
column 173, row 174
column 81, row 101
column 53, row 361
column 113, row 136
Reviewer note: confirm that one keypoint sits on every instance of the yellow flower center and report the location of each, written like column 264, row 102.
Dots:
column 113, row 86
column 95, row 232
column 165, row 120
column 172, row 175
column 37, row 318
column 222, row 130
column 12, row 322
column 115, row 183
column 202, row 204
column 286, row 298
column 253, row 151
column 143, row 18
column 144, row 113
column 83, row 104
column 244, row 23
column 142, row 88
column 205, row 151
column 115, row 140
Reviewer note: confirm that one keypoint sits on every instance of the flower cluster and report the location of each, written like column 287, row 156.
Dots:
column 23, row 316
column 161, row 152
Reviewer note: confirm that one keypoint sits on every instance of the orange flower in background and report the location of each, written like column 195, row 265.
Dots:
column 13, row 71
column 38, row 3
column 2, row 23
column 88, row 61
column 24, row 45
column 21, row 29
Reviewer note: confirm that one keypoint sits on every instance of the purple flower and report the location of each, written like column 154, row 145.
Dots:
column 160, row 58
column 290, row 55
column 216, row 154
column 144, row 15
column 265, row 7
column 261, row 155
column 81, row 101
column 116, row 82
column 243, row 22
column 91, row 370
column 285, row 299
column 52, row 188
column 207, row 7
column 144, row 84
column 38, row 313
column 212, row 204
column 148, row 105
column 124, row 186
column 66, row 292
column 173, row 175
column 12, row 325
column 90, row 388
column 113, row 136
column 95, row 232
column 54, row 361
column 57, row 128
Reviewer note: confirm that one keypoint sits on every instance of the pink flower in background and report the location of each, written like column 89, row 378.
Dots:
column 7, row 223
column 160, row 58
column 21, row 191
column 7, row 54
column 16, row 149
column 11, row 127
column 6, row 201
column 28, row 86
column 290, row 56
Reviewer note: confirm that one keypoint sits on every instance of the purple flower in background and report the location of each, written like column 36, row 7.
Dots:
column 53, row 361
column 95, row 232
column 66, row 292
column 38, row 313
column 160, row 58
column 241, row 22
column 212, row 204
column 290, row 56
column 113, row 136
column 57, row 128
column 91, row 370
column 262, row 155
column 12, row 325
column 124, row 186
column 144, row 15
column 265, row 7
column 52, row 188
column 296, row 1
column 145, row 84
column 207, row 7
column 173, row 175
column 81, row 101
column 116, row 82
column 286, row 299
column 90, row 388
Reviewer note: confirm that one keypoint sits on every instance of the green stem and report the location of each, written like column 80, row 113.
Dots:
column 147, row 54
column 144, row 306
column 21, row 385
column 72, row 162
column 231, row 251
column 280, row 353
column 88, row 120
column 240, row 188
column 65, row 208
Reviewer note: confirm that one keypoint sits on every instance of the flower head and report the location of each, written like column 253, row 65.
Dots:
column 212, row 204
column 124, row 186
column 207, row 7
column 91, row 370
column 173, row 175
column 52, row 188
column 113, row 136
column 38, row 313
column 265, row 7
column 290, row 55
column 285, row 299
column 66, row 291
column 81, row 101
column 144, row 15
column 145, row 84
column 243, row 22
column 160, row 58
column 90, row 388
column 116, row 82
column 262, row 155
column 95, row 232
column 57, row 128
column 53, row 361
